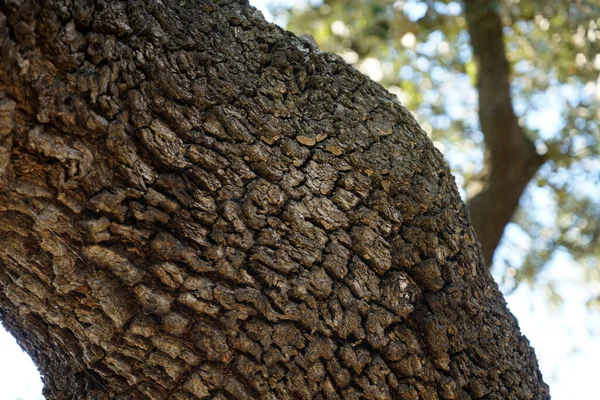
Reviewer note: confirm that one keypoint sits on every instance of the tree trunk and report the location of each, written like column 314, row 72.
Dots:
column 195, row 203
column 511, row 160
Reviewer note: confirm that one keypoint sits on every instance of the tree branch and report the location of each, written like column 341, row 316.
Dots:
column 510, row 158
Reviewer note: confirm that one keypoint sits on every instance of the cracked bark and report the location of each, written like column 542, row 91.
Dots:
column 196, row 204
column 511, row 160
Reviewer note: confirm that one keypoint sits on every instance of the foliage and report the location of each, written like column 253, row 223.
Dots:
column 420, row 51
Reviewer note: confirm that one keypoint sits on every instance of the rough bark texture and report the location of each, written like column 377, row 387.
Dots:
column 195, row 203
column 510, row 158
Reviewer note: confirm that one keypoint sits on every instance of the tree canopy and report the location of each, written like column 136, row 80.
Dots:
column 422, row 52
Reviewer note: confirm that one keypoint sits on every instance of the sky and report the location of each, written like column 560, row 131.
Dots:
column 19, row 378
column 566, row 337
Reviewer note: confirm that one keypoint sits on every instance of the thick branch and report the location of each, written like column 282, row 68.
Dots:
column 196, row 204
column 510, row 160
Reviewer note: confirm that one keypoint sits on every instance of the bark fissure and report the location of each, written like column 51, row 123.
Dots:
column 197, row 204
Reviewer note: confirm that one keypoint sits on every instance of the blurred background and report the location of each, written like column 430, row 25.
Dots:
column 509, row 92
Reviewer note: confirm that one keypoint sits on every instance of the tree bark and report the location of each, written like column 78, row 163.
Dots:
column 194, row 203
column 511, row 160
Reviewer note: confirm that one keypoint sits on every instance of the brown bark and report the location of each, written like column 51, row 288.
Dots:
column 195, row 203
column 511, row 160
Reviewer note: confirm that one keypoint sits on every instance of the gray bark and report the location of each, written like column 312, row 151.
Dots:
column 196, row 204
